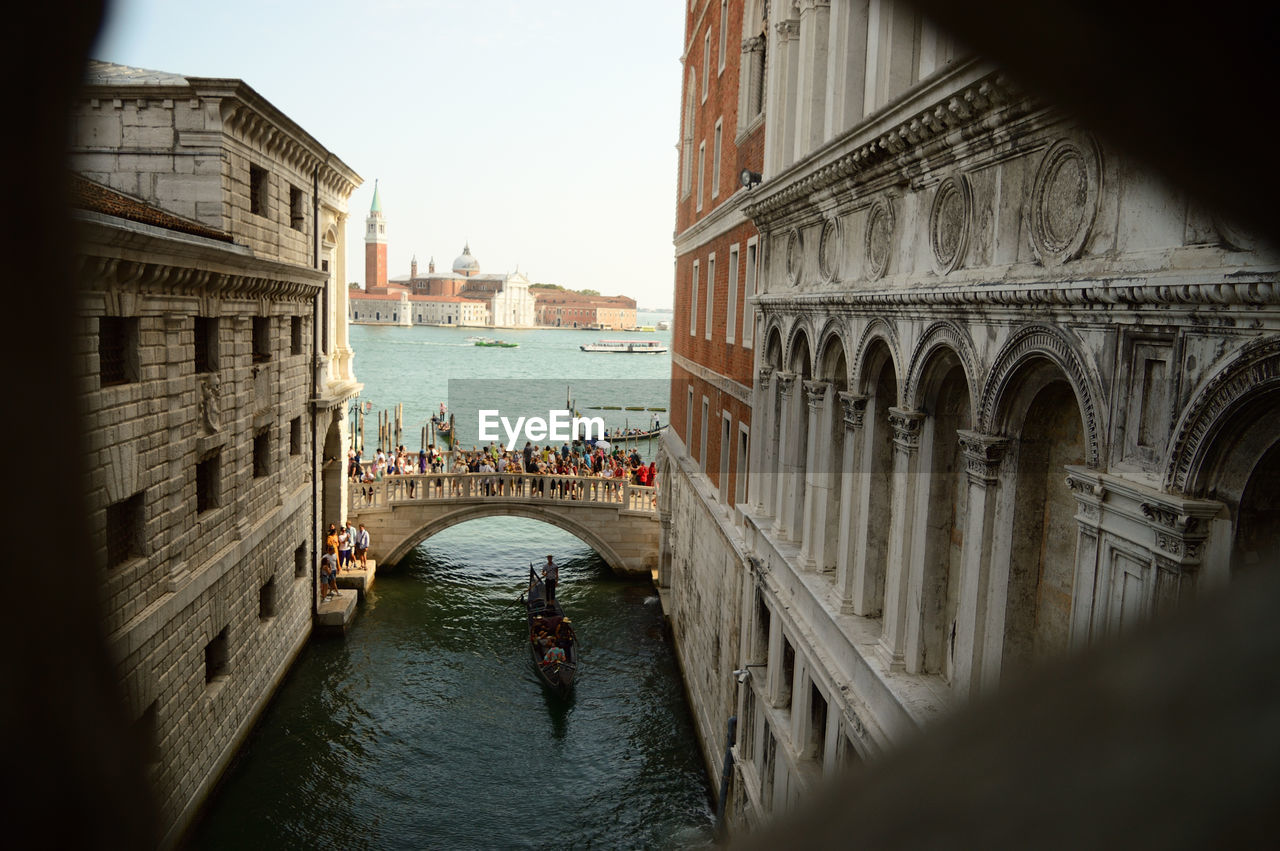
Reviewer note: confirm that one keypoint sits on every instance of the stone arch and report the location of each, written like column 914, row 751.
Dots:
column 476, row 512
column 1226, row 448
column 1037, row 341
column 773, row 348
column 1250, row 375
column 941, row 335
column 800, row 334
column 876, row 330
column 831, row 348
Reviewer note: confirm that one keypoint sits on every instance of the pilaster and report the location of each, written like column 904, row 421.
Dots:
column 784, row 381
column 906, row 451
column 853, row 409
column 816, row 458
column 982, row 456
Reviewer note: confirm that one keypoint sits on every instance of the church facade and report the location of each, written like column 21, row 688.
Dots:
column 462, row 296
column 1011, row 394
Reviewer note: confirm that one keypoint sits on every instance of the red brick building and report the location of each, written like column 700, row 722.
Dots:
column 563, row 309
column 717, row 250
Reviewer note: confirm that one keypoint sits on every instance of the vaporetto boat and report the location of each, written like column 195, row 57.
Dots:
column 626, row 346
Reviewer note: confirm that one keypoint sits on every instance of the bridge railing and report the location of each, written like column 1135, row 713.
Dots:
column 528, row 487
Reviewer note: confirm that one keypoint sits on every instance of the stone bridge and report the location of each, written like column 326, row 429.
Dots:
column 617, row 519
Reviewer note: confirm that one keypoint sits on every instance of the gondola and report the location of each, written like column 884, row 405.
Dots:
column 547, row 616
column 442, row 428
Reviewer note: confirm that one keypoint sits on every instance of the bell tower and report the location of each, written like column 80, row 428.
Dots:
column 375, row 245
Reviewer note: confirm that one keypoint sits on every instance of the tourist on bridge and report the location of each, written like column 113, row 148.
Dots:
column 362, row 547
column 550, row 575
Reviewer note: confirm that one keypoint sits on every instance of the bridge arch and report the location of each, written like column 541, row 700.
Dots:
column 532, row 512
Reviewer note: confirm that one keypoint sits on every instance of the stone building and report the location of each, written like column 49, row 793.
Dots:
column 215, row 377
column 1012, row 394
column 565, row 309
column 398, row 307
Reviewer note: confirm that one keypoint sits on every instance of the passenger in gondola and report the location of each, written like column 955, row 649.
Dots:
column 564, row 633
column 554, row 654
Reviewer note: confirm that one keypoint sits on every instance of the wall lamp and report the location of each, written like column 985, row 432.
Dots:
column 749, row 178
column 743, row 673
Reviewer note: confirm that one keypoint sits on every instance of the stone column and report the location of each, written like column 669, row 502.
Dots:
column 811, row 82
column 815, row 459
column 784, row 381
column 783, row 70
column 1089, row 493
column 762, row 396
column 982, row 455
column 846, row 66
column 853, row 407
column 906, row 452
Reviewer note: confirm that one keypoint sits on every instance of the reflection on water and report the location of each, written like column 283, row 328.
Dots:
column 427, row 727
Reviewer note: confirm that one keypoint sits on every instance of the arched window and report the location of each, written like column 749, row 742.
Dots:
column 686, row 144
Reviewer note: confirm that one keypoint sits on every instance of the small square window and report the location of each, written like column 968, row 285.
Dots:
column 117, row 349
column 297, row 210
column 217, row 657
column 208, row 481
column 295, row 335
column 257, row 190
column 295, row 436
column 261, row 339
column 300, row 560
column 262, row 453
column 124, row 530
column 267, row 599
column 206, row 344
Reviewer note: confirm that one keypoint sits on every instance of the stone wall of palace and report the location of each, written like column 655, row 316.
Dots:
column 200, row 476
column 1011, row 395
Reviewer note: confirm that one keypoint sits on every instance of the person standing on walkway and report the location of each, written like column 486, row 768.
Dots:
column 362, row 547
column 550, row 575
column 328, row 577
column 344, row 548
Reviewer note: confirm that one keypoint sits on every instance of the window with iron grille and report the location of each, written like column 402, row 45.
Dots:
column 117, row 349
column 295, row 335
column 297, row 212
column 262, row 453
column 147, row 726
column 295, row 436
column 208, row 481
column 124, row 530
column 267, row 599
column 217, row 657
column 206, row 344
column 261, row 339
column 300, row 560
column 257, row 190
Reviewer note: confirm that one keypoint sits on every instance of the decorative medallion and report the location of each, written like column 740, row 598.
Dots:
column 1064, row 200
column 949, row 223
column 879, row 238
column 830, row 246
column 795, row 257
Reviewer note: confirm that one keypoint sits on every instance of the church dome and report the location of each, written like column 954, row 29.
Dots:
column 466, row 265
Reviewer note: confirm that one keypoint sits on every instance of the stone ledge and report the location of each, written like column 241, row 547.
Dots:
column 334, row 616
column 360, row 580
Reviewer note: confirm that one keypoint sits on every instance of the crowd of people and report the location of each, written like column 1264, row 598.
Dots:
column 344, row 548
column 589, row 463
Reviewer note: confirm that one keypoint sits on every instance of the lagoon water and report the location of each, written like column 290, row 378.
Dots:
column 426, row 726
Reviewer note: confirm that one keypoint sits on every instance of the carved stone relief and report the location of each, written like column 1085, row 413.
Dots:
column 879, row 238
column 795, row 257
column 949, row 223
column 1064, row 200
column 830, row 249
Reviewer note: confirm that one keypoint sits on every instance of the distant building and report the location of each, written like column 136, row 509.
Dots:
column 500, row 300
column 563, row 309
column 215, row 377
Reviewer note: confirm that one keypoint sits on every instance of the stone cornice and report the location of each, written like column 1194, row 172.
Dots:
column 726, row 216
column 1222, row 288
column 737, row 390
column 938, row 111
column 120, row 254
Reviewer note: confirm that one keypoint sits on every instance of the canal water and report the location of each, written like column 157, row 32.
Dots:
column 426, row 727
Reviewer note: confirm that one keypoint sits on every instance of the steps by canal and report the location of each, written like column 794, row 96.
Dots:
column 334, row 616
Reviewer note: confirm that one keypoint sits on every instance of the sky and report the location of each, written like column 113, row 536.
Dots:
column 542, row 133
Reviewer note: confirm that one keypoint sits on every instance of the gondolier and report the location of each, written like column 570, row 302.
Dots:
column 551, row 575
